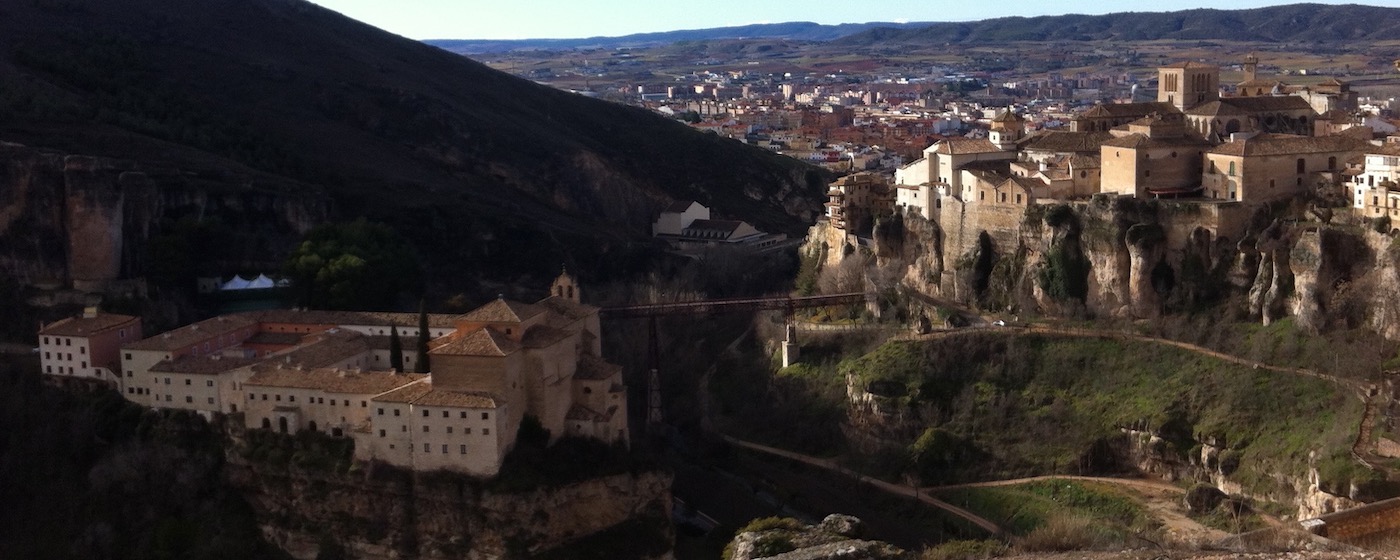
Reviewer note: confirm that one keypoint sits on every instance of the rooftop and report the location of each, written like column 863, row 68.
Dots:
column 484, row 341
column 203, row 365
column 591, row 367
column 458, row 399
column 1287, row 144
column 956, row 146
column 197, row 332
column 329, row 348
column 333, row 380
column 88, row 326
column 502, row 310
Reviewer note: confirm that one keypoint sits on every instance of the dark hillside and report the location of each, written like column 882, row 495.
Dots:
column 475, row 165
column 1290, row 23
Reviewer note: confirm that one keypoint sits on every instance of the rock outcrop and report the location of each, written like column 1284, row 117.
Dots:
column 382, row 513
column 83, row 222
column 836, row 537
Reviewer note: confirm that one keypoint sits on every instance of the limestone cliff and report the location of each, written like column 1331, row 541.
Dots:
column 384, row 513
column 78, row 221
column 837, row 536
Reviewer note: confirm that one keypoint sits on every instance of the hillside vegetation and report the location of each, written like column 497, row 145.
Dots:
column 1290, row 23
column 472, row 165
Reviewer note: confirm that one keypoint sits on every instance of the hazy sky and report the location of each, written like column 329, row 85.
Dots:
column 532, row 19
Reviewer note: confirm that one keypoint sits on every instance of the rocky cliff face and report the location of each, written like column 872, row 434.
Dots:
column 82, row 222
column 394, row 514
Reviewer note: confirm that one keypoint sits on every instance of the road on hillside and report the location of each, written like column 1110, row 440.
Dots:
column 832, row 466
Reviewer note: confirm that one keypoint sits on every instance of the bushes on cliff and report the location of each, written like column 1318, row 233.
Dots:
column 356, row 265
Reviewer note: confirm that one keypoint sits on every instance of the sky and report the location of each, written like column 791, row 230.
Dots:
column 567, row 19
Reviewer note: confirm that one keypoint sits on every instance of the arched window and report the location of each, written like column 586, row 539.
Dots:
column 1232, row 169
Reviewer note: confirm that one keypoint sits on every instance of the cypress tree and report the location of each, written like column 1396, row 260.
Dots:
column 421, row 365
column 395, row 349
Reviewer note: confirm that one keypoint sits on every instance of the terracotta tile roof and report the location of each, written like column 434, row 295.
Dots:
column 457, row 399
column 543, row 336
column 501, row 310
column 1121, row 110
column 566, row 309
column 1065, row 141
column 348, row 318
column 956, row 146
column 1140, row 141
column 332, row 347
column 1269, row 103
column 333, row 380
column 1008, row 117
column 203, row 365
column 88, row 326
column 1216, row 109
column 1286, row 144
column 484, row 341
column 406, row 393
column 1026, row 184
column 1387, row 149
column 593, row 368
column 275, row 338
column 197, row 332
column 679, row 206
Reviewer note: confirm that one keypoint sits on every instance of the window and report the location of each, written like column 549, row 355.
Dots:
column 130, row 373
column 264, row 396
column 364, row 404
column 486, row 431
column 425, row 413
column 187, row 382
column 189, row 399
column 278, row 398
column 346, row 402
column 1232, row 169
column 449, row 429
column 425, row 429
column 84, row 366
column 467, row 431
column 48, row 369
column 381, row 433
column 381, row 412
column 211, row 400
column 396, row 412
column 322, row 400
column 46, row 355
column 46, row 341
column 167, row 381
column 445, row 414
column 291, row 398
column 68, row 342
column 464, row 450
column 444, row 449
column 209, row 383
column 427, row 449
column 464, row 414
column 403, row 428
column 82, row 349
column 1302, row 165
column 486, row 416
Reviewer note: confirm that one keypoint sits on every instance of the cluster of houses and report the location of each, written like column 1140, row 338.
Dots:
column 334, row 372
column 1268, row 142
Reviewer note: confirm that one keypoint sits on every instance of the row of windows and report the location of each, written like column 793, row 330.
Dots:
column 60, row 356
column 466, row 430
column 445, row 413
column 49, row 369
column 59, row 341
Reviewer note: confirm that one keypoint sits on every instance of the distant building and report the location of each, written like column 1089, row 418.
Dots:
column 1375, row 189
column 87, row 348
column 687, row 226
column 1267, row 167
column 329, row 371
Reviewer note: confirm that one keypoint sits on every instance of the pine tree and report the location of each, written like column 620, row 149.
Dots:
column 395, row 349
column 421, row 364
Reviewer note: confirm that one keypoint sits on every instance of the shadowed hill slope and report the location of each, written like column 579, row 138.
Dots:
column 472, row 163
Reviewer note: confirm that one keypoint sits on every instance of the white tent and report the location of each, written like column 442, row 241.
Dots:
column 237, row 283
column 262, row 282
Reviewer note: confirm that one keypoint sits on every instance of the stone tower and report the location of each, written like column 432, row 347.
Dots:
column 565, row 287
column 1188, row 84
column 1007, row 129
column 1251, row 67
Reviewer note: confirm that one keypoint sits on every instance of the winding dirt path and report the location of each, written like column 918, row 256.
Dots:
column 835, row 467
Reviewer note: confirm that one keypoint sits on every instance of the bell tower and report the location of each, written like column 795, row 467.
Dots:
column 565, row 287
column 1251, row 67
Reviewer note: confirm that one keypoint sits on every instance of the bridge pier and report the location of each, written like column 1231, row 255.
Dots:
column 791, row 350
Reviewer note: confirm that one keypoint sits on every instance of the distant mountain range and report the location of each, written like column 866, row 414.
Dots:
column 1289, row 23
column 796, row 30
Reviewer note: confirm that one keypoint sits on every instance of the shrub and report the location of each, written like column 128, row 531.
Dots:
column 770, row 523
column 965, row 550
column 1061, row 533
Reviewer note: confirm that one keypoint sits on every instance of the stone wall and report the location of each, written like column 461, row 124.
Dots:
column 1358, row 522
